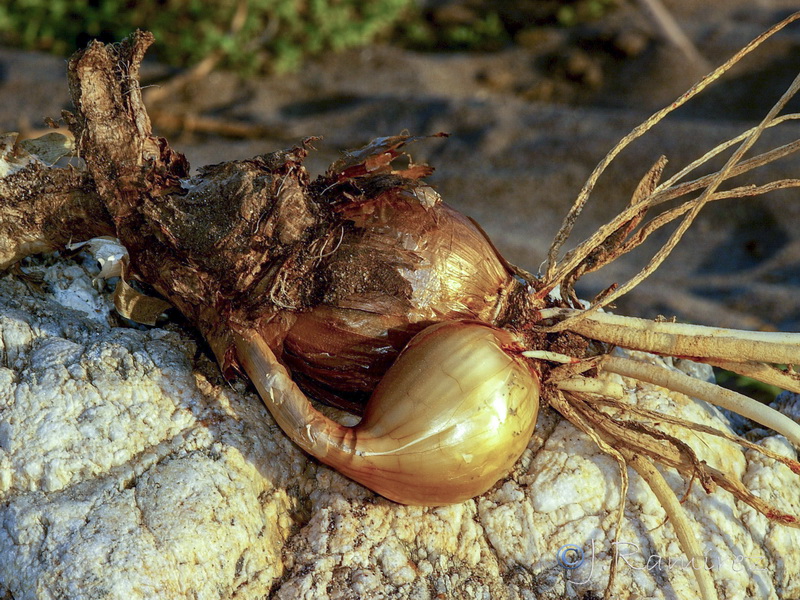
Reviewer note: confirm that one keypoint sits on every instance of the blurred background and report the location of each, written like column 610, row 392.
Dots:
column 532, row 92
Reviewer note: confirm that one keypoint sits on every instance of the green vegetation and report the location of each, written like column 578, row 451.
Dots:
column 251, row 34
column 572, row 13
column 476, row 32
column 491, row 25
column 255, row 35
column 763, row 392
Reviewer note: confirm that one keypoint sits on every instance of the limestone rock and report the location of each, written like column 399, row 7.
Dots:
column 130, row 469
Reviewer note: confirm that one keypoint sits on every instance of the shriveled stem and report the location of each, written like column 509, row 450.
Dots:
column 44, row 208
column 730, row 400
column 315, row 433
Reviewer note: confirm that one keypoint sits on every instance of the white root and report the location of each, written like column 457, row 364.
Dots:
column 747, row 407
column 590, row 385
column 743, row 352
column 682, row 340
column 551, row 356
column 680, row 523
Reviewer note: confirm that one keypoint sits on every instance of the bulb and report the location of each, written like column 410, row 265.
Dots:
column 399, row 267
column 448, row 420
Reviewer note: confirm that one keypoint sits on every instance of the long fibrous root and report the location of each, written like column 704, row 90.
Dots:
column 670, row 451
column 580, row 414
column 677, row 516
column 658, row 417
column 561, row 404
column 640, row 445
column 744, row 352
column 628, row 229
column 695, row 388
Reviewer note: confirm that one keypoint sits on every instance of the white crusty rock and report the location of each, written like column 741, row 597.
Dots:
column 129, row 469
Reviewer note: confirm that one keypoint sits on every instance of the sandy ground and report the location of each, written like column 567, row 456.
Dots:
column 526, row 126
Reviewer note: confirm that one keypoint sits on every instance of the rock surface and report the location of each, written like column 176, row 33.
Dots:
column 129, row 469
